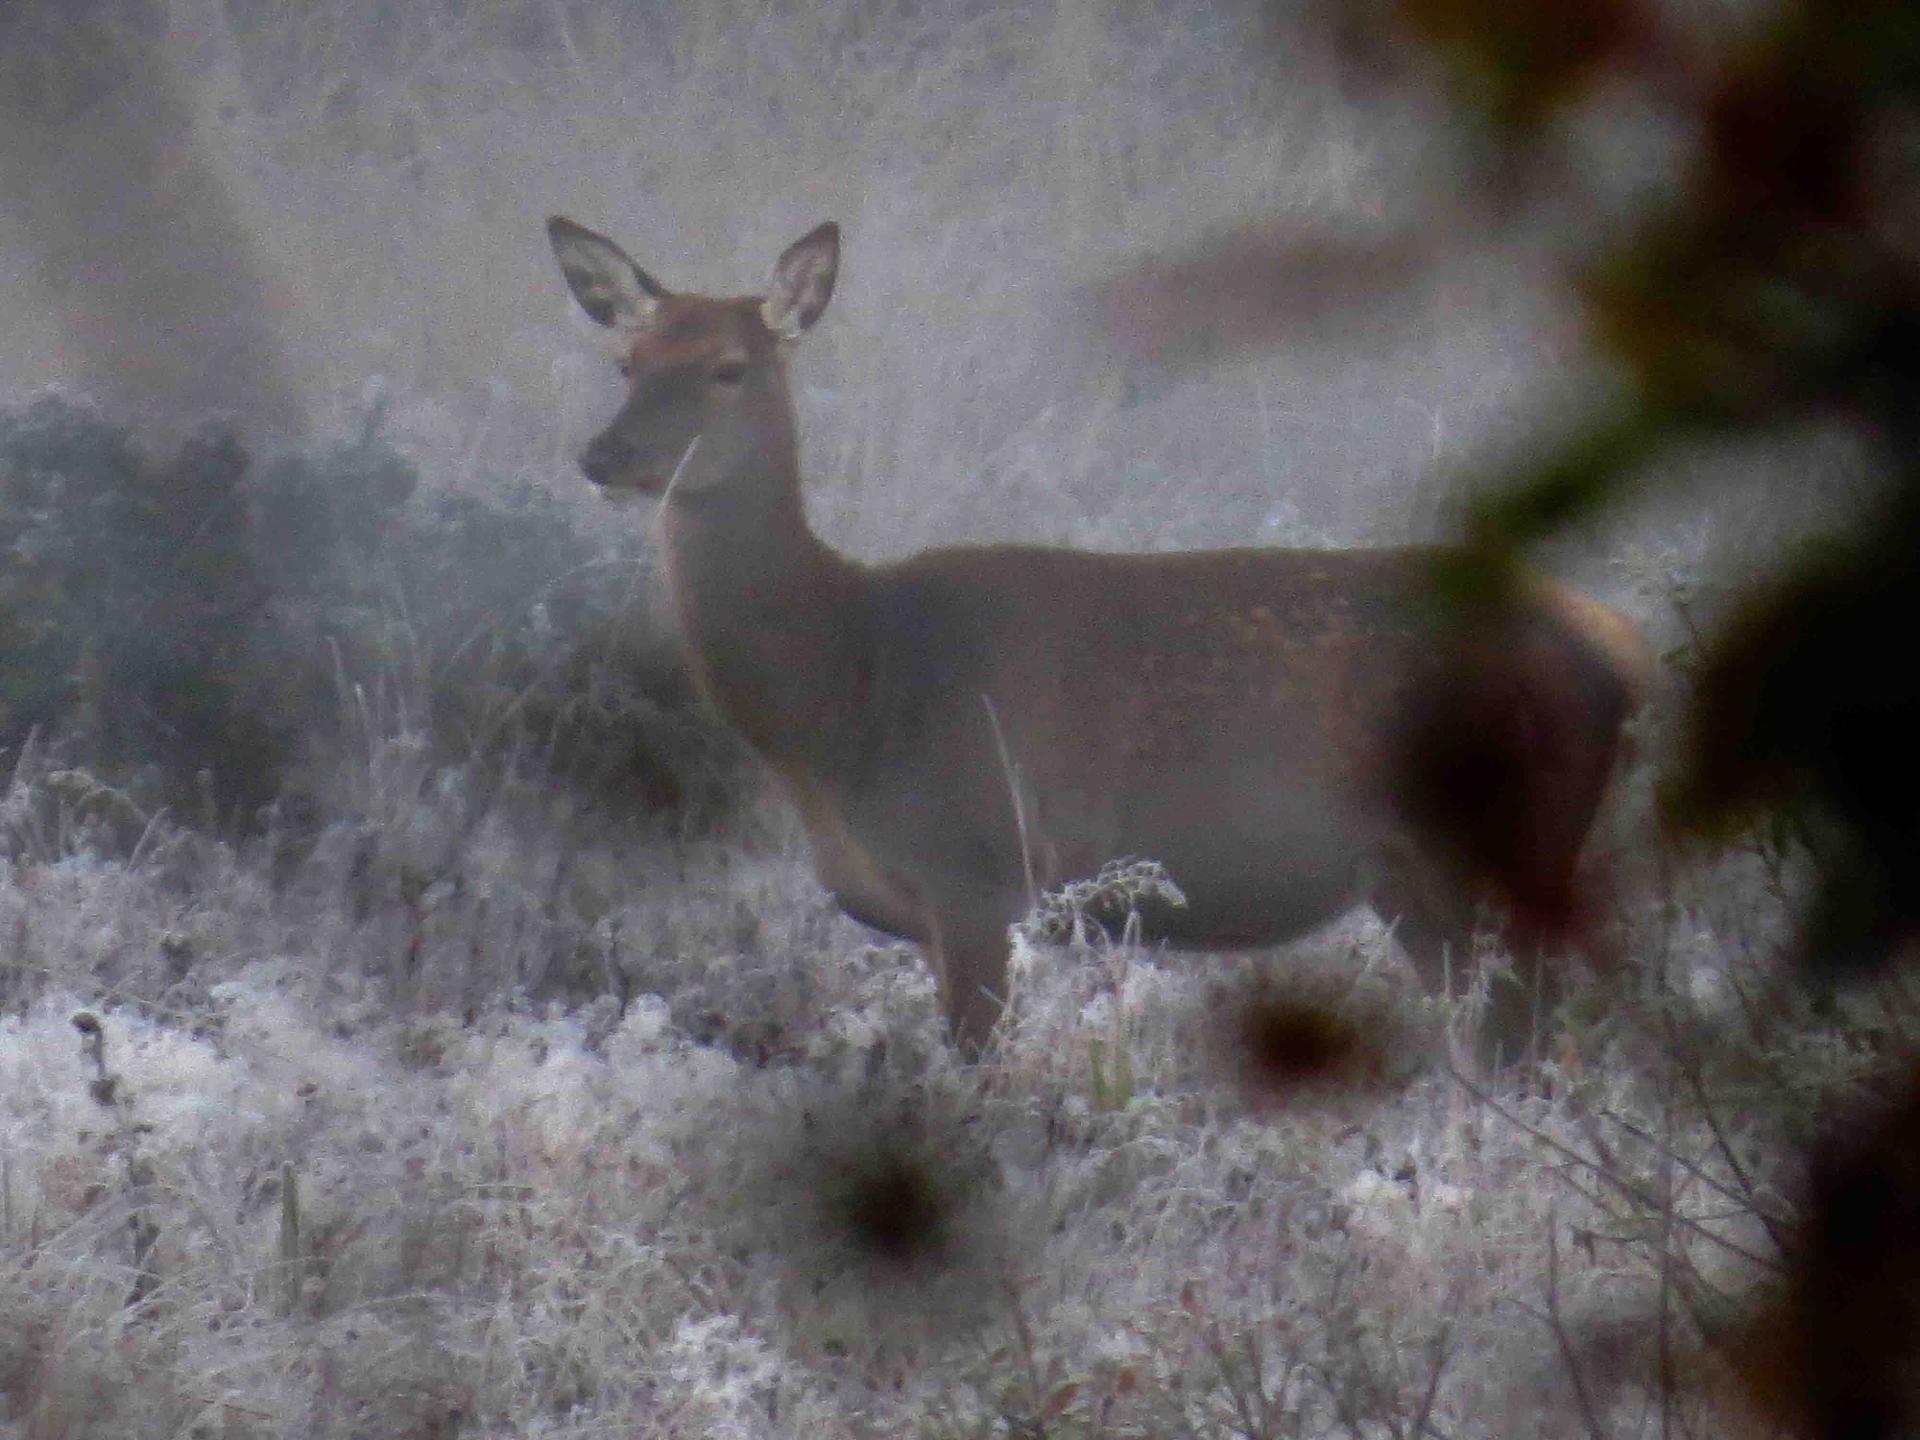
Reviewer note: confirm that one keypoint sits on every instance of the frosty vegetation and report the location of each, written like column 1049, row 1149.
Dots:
column 419, row 1021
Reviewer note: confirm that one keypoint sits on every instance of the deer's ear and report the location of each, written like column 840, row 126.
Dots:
column 610, row 288
column 802, row 282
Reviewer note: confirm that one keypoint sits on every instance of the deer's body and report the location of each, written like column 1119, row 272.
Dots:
column 967, row 725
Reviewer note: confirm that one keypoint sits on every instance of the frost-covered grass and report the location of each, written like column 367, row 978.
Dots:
column 467, row 1107
column 276, row 1163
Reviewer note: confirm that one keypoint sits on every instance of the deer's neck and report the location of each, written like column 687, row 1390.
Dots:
column 771, row 613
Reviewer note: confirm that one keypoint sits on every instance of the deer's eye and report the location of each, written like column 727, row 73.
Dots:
column 626, row 369
column 731, row 373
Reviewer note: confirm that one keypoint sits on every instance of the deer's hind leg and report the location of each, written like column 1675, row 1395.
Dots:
column 1435, row 925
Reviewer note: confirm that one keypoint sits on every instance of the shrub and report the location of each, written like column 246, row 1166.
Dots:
column 209, row 632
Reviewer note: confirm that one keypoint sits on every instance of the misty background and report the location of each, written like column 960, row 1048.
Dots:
column 279, row 211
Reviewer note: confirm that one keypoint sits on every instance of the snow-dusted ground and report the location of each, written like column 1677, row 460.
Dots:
column 251, row 1189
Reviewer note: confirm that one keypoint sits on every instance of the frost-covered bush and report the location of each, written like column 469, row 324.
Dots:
column 129, row 602
column 206, row 629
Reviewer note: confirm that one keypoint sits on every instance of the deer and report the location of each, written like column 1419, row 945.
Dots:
column 1290, row 733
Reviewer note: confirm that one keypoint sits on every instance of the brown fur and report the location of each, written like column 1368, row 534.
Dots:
column 1290, row 732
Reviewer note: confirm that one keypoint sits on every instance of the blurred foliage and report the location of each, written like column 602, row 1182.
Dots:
column 203, row 629
column 1766, row 289
column 1783, row 284
column 1777, row 285
column 1829, row 1350
column 1516, row 63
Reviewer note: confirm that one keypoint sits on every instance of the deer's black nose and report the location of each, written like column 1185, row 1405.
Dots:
column 605, row 458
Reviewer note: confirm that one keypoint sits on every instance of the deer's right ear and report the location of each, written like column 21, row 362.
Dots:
column 610, row 288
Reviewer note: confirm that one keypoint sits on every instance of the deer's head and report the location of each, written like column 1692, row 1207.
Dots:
column 707, row 404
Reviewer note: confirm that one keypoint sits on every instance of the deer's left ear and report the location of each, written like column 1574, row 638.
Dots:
column 802, row 282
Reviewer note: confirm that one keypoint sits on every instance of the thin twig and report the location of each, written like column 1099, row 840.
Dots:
column 1012, row 773
column 1743, row 1198
column 1776, row 1226
column 1439, row 1352
column 1569, row 1353
column 1023, row 1334
column 1625, row 1187
column 1666, row 1269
